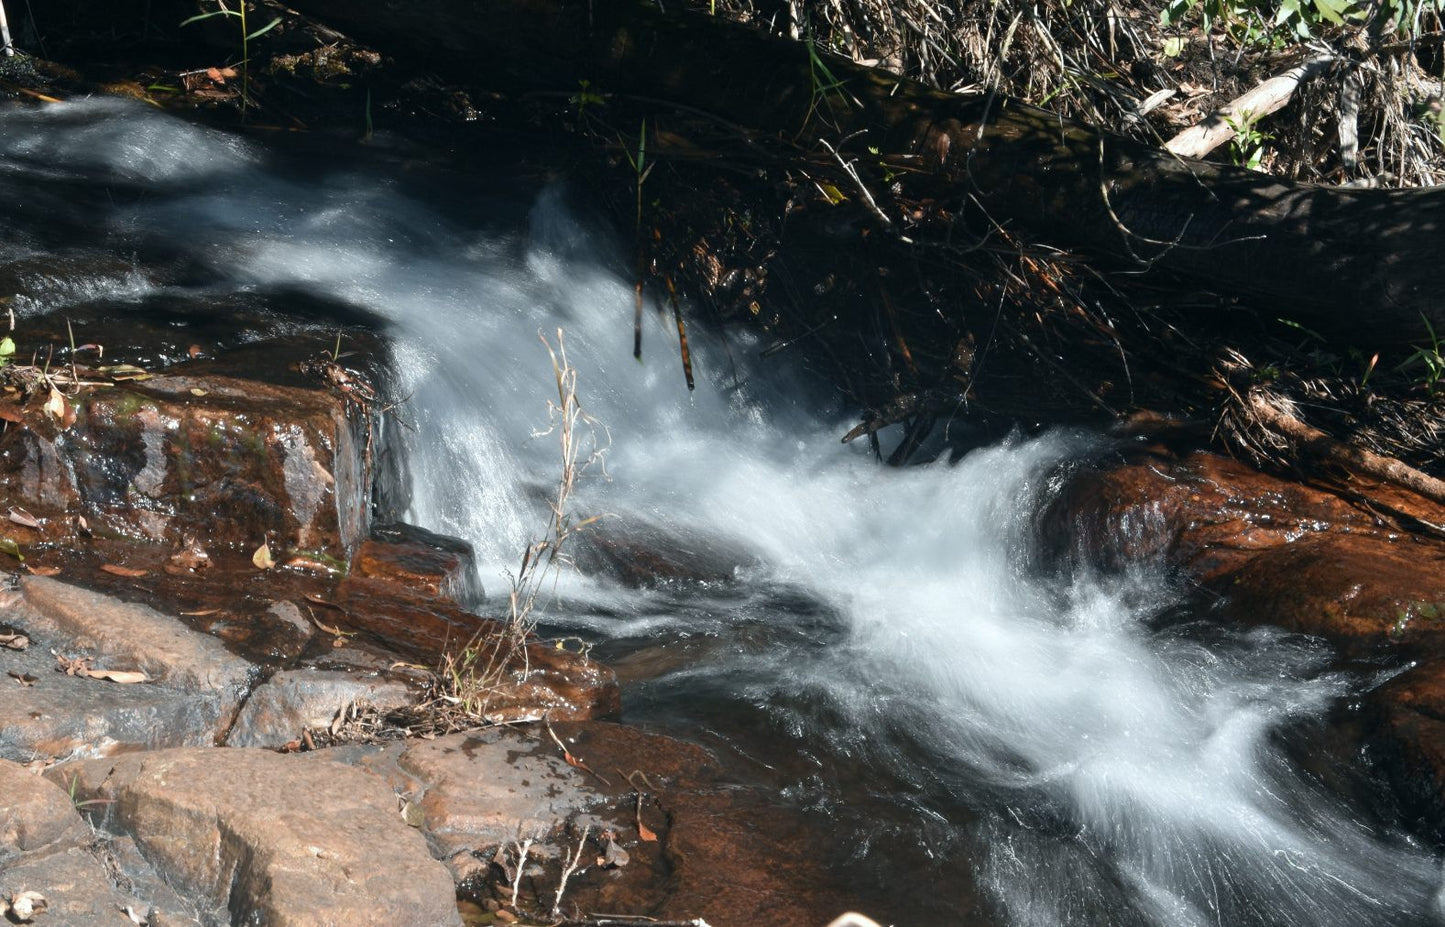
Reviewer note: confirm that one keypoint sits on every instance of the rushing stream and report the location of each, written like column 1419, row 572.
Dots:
column 982, row 740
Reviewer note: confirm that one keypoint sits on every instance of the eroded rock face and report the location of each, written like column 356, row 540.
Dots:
column 235, row 461
column 269, row 839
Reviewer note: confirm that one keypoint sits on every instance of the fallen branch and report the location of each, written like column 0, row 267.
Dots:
column 1312, row 441
column 1222, row 125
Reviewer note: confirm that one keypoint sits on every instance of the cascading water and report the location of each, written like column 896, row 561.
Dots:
column 882, row 649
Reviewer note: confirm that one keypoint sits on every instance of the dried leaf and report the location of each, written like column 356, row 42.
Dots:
column 14, row 641
column 124, row 677
column 643, row 832
column 22, row 517
column 201, row 613
column 40, row 570
column 55, row 405
column 130, row 572
column 197, row 391
column 262, row 557
column 11, row 414
column 613, row 856
column 122, row 373
column 25, row 679
column 25, row 905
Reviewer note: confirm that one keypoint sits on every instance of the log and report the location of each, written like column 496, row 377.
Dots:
column 1362, row 263
column 1246, row 109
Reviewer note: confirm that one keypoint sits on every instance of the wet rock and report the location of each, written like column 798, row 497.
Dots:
column 235, row 461
column 1361, row 592
column 643, row 555
column 293, row 701
column 1271, row 551
column 423, row 562
column 1203, row 512
column 193, row 689
column 269, row 838
column 728, row 854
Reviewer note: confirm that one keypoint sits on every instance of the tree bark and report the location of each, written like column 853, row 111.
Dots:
column 1362, row 262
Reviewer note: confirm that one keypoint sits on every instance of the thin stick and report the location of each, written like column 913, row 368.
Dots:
column 5, row 32
column 571, row 868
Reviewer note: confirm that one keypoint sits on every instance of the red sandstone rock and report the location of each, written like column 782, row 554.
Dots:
column 269, row 838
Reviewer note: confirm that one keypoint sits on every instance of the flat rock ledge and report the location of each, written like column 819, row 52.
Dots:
column 260, row 838
column 192, row 690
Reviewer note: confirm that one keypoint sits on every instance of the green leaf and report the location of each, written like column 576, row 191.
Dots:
column 264, row 29
column 7, row 346
column 8, row 546
column 1174, row 47
column 1333, row 10
column 221, row 12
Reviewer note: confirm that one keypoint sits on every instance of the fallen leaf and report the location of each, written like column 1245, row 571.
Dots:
column 197, row 391
column 124, row 677
column 643, row 832
column 55, row 405
column 39, row 570
column 8, row 546
column 82, row 525
column 25, row 905
column 25, row 679
column 22, row 517
column 130, row 572
column 310, row 565
column 262, row 557
column 613, row 856
column 14, row 641
column 11, row 414
column 122, row 373
column 203, row 612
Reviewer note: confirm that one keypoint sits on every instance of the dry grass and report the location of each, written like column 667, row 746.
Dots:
column 469, row 678
column 1105, row 62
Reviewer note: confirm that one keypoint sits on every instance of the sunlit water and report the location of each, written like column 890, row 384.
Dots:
column 882, row 651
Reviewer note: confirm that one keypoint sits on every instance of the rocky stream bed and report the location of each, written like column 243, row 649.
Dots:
column 213, row 616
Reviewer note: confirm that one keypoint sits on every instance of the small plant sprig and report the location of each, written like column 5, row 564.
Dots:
column 468, row 679
column 1430, row 359
column 247, row 35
